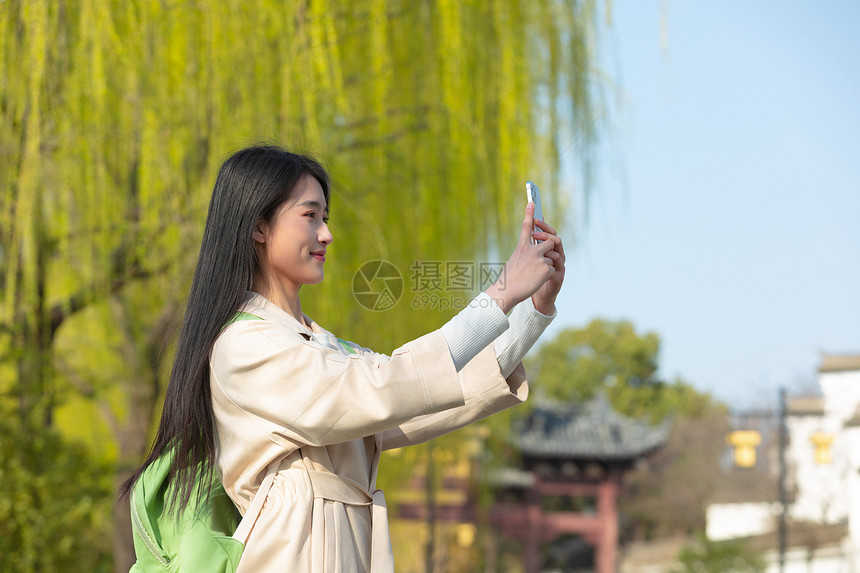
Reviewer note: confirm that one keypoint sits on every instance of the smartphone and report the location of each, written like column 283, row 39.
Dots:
column 533, row 194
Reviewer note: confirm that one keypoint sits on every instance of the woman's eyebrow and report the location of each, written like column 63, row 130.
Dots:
column 312, row 203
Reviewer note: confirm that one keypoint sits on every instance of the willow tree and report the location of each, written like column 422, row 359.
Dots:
column 115, row 114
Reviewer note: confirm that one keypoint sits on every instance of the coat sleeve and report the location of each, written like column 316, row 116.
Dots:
column 486, row 392
column 299, row 391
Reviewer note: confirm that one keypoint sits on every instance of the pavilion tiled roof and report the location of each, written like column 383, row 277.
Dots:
column 804, row 406
column 587, row 430
column 839, row 362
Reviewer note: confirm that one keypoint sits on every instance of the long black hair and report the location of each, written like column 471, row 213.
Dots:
column 251, row 185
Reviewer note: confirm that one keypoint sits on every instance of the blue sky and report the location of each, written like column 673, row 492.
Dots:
column 727, row 212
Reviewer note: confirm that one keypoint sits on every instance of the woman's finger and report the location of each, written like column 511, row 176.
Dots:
column 528, row 224
column 557, row 260
column 556, row 240
column 559, row 248
column 543, row 234
column 546, row 237
column 546, row 245
column 545, row 227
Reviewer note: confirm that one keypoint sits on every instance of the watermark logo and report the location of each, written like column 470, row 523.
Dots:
column 377, row 285
column 436, row 285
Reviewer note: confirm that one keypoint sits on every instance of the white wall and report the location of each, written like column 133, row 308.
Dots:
column 733, row 520
column 841, row 393
column 821, row 489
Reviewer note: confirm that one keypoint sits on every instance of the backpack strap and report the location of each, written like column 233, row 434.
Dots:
column 250, row 517
column 240, row 316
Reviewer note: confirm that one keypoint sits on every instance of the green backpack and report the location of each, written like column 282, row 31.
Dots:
column 205, row 536
column 208, row 535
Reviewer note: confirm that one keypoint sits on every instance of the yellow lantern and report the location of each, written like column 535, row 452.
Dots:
column 744, row 442
column 465, row 533
column 823, row 452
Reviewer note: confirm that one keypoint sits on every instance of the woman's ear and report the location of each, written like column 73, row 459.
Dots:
column 259, row 233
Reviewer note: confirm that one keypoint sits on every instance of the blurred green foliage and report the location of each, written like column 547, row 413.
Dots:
column 611, row 357
column 704, row 556
column 50, row 508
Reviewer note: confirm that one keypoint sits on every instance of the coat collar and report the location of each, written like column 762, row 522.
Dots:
column 257, row 304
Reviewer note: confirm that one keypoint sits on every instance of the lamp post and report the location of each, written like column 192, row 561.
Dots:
column 783, row 497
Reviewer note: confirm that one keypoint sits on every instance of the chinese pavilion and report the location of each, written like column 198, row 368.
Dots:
column 561, row 504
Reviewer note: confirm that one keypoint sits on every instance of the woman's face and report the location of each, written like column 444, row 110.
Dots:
column 292, row 245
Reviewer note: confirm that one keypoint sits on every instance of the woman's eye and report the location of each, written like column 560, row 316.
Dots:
column 313, row 215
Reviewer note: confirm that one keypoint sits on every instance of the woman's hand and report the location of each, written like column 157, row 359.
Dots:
column 530, row 267
column 544, row 298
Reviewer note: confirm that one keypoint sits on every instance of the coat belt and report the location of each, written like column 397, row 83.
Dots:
column 333, row 487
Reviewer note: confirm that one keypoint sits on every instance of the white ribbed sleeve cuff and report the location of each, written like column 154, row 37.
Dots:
column 527, row 324
column 473, row 328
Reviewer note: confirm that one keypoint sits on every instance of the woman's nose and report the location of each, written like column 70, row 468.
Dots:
column 325, row 236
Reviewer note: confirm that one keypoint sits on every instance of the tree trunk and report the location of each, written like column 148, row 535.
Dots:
column 123, row 544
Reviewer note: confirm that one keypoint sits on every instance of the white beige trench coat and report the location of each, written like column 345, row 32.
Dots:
column 321, row 411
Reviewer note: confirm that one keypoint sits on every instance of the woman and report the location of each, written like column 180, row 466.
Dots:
column 259, row 389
